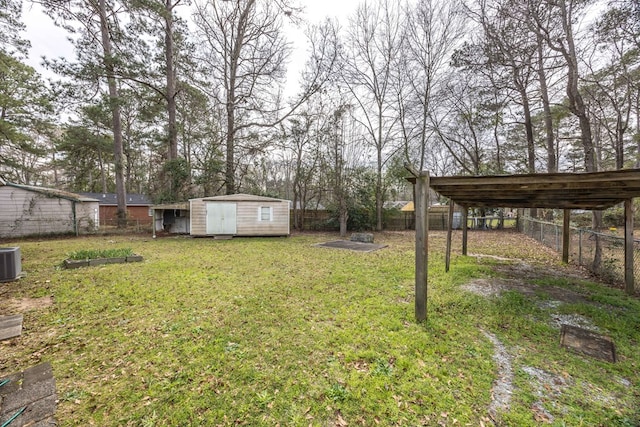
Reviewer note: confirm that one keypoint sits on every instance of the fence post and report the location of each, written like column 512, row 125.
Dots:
column 580, row 247
column 465, row 227
column 628, row 247
column 449, row 231
column 566, row 235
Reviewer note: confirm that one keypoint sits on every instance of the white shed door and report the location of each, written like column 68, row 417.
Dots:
column 221, row 218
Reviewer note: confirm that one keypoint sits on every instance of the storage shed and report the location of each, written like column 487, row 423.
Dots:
column 239, row 215
column 27, row 210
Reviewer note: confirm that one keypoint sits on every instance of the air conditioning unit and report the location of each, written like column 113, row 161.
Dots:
column 10, row 264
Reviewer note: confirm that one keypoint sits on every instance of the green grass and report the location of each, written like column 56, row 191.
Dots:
column 269, row 331
column 82, row 254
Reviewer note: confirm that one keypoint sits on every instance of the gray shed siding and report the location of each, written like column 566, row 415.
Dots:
column 25, row 213
column 248, row 221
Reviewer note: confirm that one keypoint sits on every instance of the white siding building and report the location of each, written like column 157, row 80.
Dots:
column 239, row 215
column 27, row 210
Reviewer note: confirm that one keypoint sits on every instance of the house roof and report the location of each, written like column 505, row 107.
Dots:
column 50, row 192
column 595, row 190
column 241, row 198
column 110, row 199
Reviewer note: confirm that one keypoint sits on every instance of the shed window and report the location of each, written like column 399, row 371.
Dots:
column 265, row 213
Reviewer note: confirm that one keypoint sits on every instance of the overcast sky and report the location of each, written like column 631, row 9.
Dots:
column 51, row 41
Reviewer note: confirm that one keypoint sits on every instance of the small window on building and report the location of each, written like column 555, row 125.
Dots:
column 265, row 213
column 150, row 212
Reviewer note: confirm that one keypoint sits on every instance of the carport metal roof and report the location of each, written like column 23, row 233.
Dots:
column 594, row 191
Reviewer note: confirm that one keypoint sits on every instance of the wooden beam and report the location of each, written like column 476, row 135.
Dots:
column 628, row 247
column 449, row 231
column 566, row 234
column 465, row 216
column 422, row 243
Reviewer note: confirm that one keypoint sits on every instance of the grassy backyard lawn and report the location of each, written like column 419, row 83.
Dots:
column 277, row 331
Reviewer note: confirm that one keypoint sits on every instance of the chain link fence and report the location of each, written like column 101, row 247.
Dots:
column 33, row 227
column 132, row 225
column 582, row 248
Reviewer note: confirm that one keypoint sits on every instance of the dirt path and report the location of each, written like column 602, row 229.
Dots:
column 503, row 385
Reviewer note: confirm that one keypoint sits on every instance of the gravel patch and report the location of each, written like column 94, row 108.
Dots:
column 548, row 387
column 557, row 320
column 503, row 385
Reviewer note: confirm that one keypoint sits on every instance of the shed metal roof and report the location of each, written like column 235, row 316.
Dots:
column 51, row 192
column 595, row 190
column 241, row 198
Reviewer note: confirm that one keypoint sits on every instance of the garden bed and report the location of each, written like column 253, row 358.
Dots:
column 73, row 263
column 87, row 258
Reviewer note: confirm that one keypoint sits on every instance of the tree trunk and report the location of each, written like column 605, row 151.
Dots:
column 103, row 175
column 528, row 127
column 343, row 216
column 234, row 59
column 121, row 196
column 172, row 152
column 379, row 172
column 620, row 131
column 552, row 165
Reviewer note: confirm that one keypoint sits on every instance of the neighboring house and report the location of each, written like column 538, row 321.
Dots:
column 438, row 216
column 27, row 210
column 239, row 215
column 138, row 208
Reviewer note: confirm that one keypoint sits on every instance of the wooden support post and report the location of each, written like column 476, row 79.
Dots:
column 566, row 234
column 465, row 216
column 449, row 231
column 422, row 244
column 628, row 247
column 421, row 205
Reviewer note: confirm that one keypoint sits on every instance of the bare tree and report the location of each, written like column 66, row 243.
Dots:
column 301, row 141
column 372, row 43
column 463, row 126
column 613, row 79
column 245, row 51
column 432, row 30
column 344, row 154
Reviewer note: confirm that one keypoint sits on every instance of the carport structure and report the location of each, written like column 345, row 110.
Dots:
column 567, row 191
